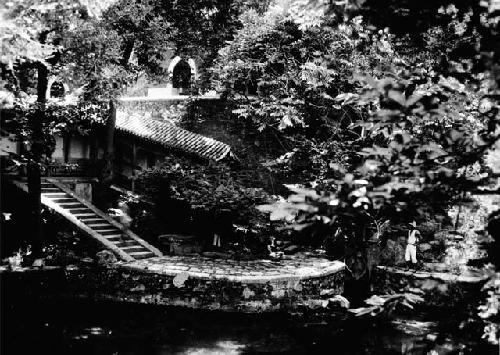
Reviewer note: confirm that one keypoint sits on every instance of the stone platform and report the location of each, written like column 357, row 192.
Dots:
column 216, row 284
column 245, row 271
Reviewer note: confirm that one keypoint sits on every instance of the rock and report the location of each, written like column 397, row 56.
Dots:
column 247, row 293
column 15, row 261
column 327, row 292
column 39, row 263
column 291, row 249
column 424, row 247
column 276, row 255
column 431, row 337
column 280, row 293
column 339, row 301
column 138, row 288
column 105, row 257
column 316, row 303
column 180, row 279
column 294, row 285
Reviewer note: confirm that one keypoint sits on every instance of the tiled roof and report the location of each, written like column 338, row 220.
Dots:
column 171, row 136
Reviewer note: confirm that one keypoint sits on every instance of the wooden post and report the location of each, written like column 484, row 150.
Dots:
column 93, row 155
column 66, row 147
column 134, row 164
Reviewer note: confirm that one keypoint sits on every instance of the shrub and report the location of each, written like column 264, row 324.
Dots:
column 208, row 198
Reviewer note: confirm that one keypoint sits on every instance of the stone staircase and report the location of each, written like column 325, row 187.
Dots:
column 95, row 223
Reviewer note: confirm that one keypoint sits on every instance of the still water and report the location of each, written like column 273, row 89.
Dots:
column 77, row 327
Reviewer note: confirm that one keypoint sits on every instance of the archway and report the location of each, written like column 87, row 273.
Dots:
column 182, row 73
column 181, row 76
column 56, row 89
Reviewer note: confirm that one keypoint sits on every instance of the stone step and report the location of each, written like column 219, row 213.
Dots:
column 127, row 243
column 65, row 199
column 135, row 249
column 81, row 210
column 107, row 230
column 84, row 216
column 95, row 221
column 100, row 226
column 72, row 205
column 55, row 194
column 110, row 232
column 104, row 225
column 117, row 238
column 50, row 189
column 141, row 254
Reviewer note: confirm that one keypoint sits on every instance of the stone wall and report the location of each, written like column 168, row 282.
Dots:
column 439, row 289
column 122, row 284
column 171, row 109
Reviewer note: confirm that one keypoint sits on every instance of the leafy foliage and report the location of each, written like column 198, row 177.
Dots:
column 93, row 60
column 414, row 140
column 31, row 30
column 283, row 77
column 386, row 304
column 489, row 309
column 211, row 189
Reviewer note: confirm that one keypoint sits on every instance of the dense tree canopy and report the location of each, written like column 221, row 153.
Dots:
column 400, row 124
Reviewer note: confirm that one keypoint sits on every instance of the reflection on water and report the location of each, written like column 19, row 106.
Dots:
column 50, row 327
column 220, row 347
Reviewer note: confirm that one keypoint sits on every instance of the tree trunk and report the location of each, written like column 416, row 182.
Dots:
column 36, row 155
column 35, row 205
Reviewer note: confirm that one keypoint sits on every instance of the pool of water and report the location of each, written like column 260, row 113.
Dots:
column 82, row 327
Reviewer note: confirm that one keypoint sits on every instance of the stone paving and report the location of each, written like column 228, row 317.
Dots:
column 244, row 271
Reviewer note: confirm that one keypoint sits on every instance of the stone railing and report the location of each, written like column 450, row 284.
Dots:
column 67, row 169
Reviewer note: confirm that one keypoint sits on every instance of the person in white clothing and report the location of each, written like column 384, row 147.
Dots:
column 411, row 247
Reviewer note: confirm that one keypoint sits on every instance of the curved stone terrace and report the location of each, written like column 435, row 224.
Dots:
column 244, row 271
column 217, row 284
